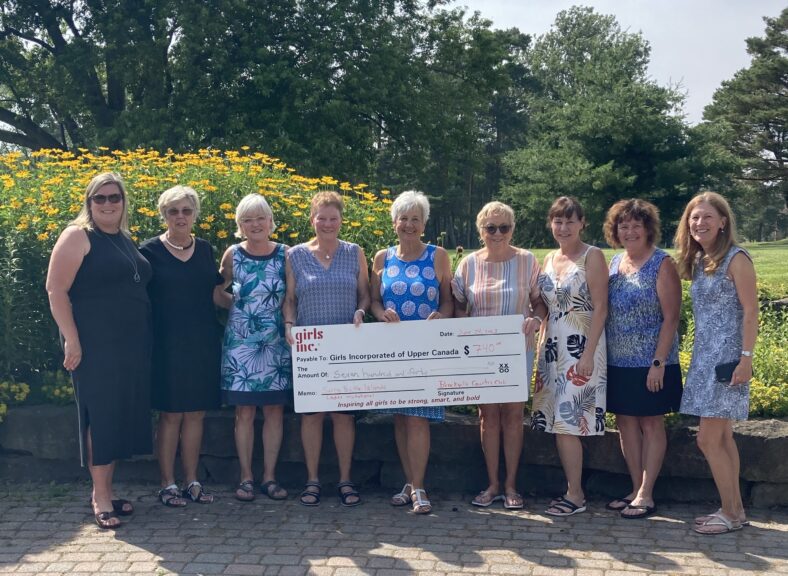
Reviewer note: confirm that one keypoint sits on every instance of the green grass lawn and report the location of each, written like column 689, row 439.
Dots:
column 770, row 258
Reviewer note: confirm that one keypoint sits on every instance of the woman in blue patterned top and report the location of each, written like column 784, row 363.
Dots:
column 725, row 307
column 327, row 283
column 643, row 373
column 412, row 281
column 256, row 366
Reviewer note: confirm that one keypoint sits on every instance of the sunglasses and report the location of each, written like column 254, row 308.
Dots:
column 102, row 198
column 491, row 229
column 175, row 211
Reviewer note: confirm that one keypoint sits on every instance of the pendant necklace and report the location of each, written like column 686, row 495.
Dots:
column 125, row 253
column 175, row 246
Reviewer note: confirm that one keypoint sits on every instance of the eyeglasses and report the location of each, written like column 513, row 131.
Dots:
column 102, row 198
column 175, row 211
column 491, row 229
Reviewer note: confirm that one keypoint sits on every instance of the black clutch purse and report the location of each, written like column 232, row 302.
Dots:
column 724, row 372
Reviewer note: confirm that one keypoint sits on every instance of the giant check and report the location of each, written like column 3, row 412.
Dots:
column 410, row 364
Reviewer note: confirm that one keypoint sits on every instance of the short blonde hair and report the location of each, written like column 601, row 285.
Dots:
column 494, row 208
column 408, row 200
column 252, row 204
column 687, row 248
column 176, row 194
column 326, row 198
column 84, row 219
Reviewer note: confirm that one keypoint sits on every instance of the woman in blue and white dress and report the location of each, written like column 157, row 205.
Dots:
column 412, row 281
column 725, row 307
column 256, row 365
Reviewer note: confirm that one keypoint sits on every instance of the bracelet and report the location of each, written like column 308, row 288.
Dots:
column 364, row 312
column 289, row 322
column 537, row 317
column 747, row 353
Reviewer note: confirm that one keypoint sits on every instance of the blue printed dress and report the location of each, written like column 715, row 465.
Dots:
column 718, row 339
column 411, row 288
column 634, row 320
column 256, row 364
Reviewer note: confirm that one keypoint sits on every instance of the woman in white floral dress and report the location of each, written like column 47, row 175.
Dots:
column 571, row 381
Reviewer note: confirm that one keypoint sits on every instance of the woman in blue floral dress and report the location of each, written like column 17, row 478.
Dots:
column 412, row 281
column 569, row 396
column 256, row 365
column 643, row 372
column 725, row 307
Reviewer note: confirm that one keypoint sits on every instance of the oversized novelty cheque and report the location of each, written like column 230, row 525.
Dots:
column 410, row 364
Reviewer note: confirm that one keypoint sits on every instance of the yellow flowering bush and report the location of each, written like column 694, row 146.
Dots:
column 12, row 393
column 44, row 190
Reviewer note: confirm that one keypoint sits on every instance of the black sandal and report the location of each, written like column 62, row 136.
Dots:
column 103, row 520
column 202, row 496
column 171, row 497
column 314, row 494
column 119, row 507
column 345, row 494
column 273, row 490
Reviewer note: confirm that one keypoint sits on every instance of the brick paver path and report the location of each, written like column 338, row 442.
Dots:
column 48, row 529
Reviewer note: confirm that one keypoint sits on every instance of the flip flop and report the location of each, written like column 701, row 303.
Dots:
column 513, row 501
column 485, row 498
column 718, row 524
column 705, row 518
column 565, row 507
column 618, row 504
column 643, row 511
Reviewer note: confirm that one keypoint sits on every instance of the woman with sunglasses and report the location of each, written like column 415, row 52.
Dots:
column 187, row 341
column 500, row 279
column 97, row 286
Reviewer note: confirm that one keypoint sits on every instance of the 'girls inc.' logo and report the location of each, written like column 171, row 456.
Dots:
column 306, row 340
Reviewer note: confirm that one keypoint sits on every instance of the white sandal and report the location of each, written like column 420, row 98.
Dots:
column 403, row 497
column 420, row 505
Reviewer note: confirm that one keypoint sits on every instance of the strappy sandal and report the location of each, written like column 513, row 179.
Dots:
column 313, row 494
column 420, row 504
column 119, row 506
column 273, row 490
column 402, row 498
column 202, row 496
column 245, row 491
column 344, row 495
column 717, row 524
column 170, row 496
column 103, row 520
column 564, row 507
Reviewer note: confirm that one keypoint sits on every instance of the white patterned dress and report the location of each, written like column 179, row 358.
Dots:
column 565, row 402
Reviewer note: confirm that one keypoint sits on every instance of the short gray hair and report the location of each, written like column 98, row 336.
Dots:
column 176, row 194
column 252, row 204
column 408, row 200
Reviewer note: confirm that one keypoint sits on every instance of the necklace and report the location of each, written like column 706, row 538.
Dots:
column 175, row 246
column 128, row 256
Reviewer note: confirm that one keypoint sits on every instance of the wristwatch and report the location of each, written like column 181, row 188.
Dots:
column 656, row 362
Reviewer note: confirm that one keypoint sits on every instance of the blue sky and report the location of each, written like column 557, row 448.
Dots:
column 695, row 44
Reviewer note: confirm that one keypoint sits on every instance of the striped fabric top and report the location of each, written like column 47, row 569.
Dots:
column 496, row 288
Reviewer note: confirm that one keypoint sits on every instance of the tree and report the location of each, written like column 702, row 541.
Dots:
column 600, row 129
column 751, row 111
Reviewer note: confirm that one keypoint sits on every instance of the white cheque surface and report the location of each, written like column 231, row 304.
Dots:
column 410, row 364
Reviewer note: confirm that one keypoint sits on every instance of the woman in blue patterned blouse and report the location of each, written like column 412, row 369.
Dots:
column 412, row 281
column 643, row 373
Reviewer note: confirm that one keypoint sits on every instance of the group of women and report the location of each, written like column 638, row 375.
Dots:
column 140, row 326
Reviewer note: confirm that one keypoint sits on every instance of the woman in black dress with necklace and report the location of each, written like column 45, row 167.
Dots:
column 187, row 341
column 97, row 284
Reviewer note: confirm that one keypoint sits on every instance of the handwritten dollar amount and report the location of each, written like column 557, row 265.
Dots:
column 481, row 349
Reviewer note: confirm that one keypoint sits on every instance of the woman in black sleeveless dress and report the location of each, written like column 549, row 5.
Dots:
column 97, row 286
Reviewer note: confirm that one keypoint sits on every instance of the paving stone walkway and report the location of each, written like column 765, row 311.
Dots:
column 48, row 529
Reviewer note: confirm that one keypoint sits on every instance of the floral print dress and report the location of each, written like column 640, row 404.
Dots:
column 256, row 365
column 565, row 402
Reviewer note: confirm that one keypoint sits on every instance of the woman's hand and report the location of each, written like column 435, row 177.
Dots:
column 743, row 372
column 73, row 357
column 655, row 378
column 531, row 325
column 358, row 317
column 390, row 315
column 289, row 334
column 585, row 366
column 435, row 315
